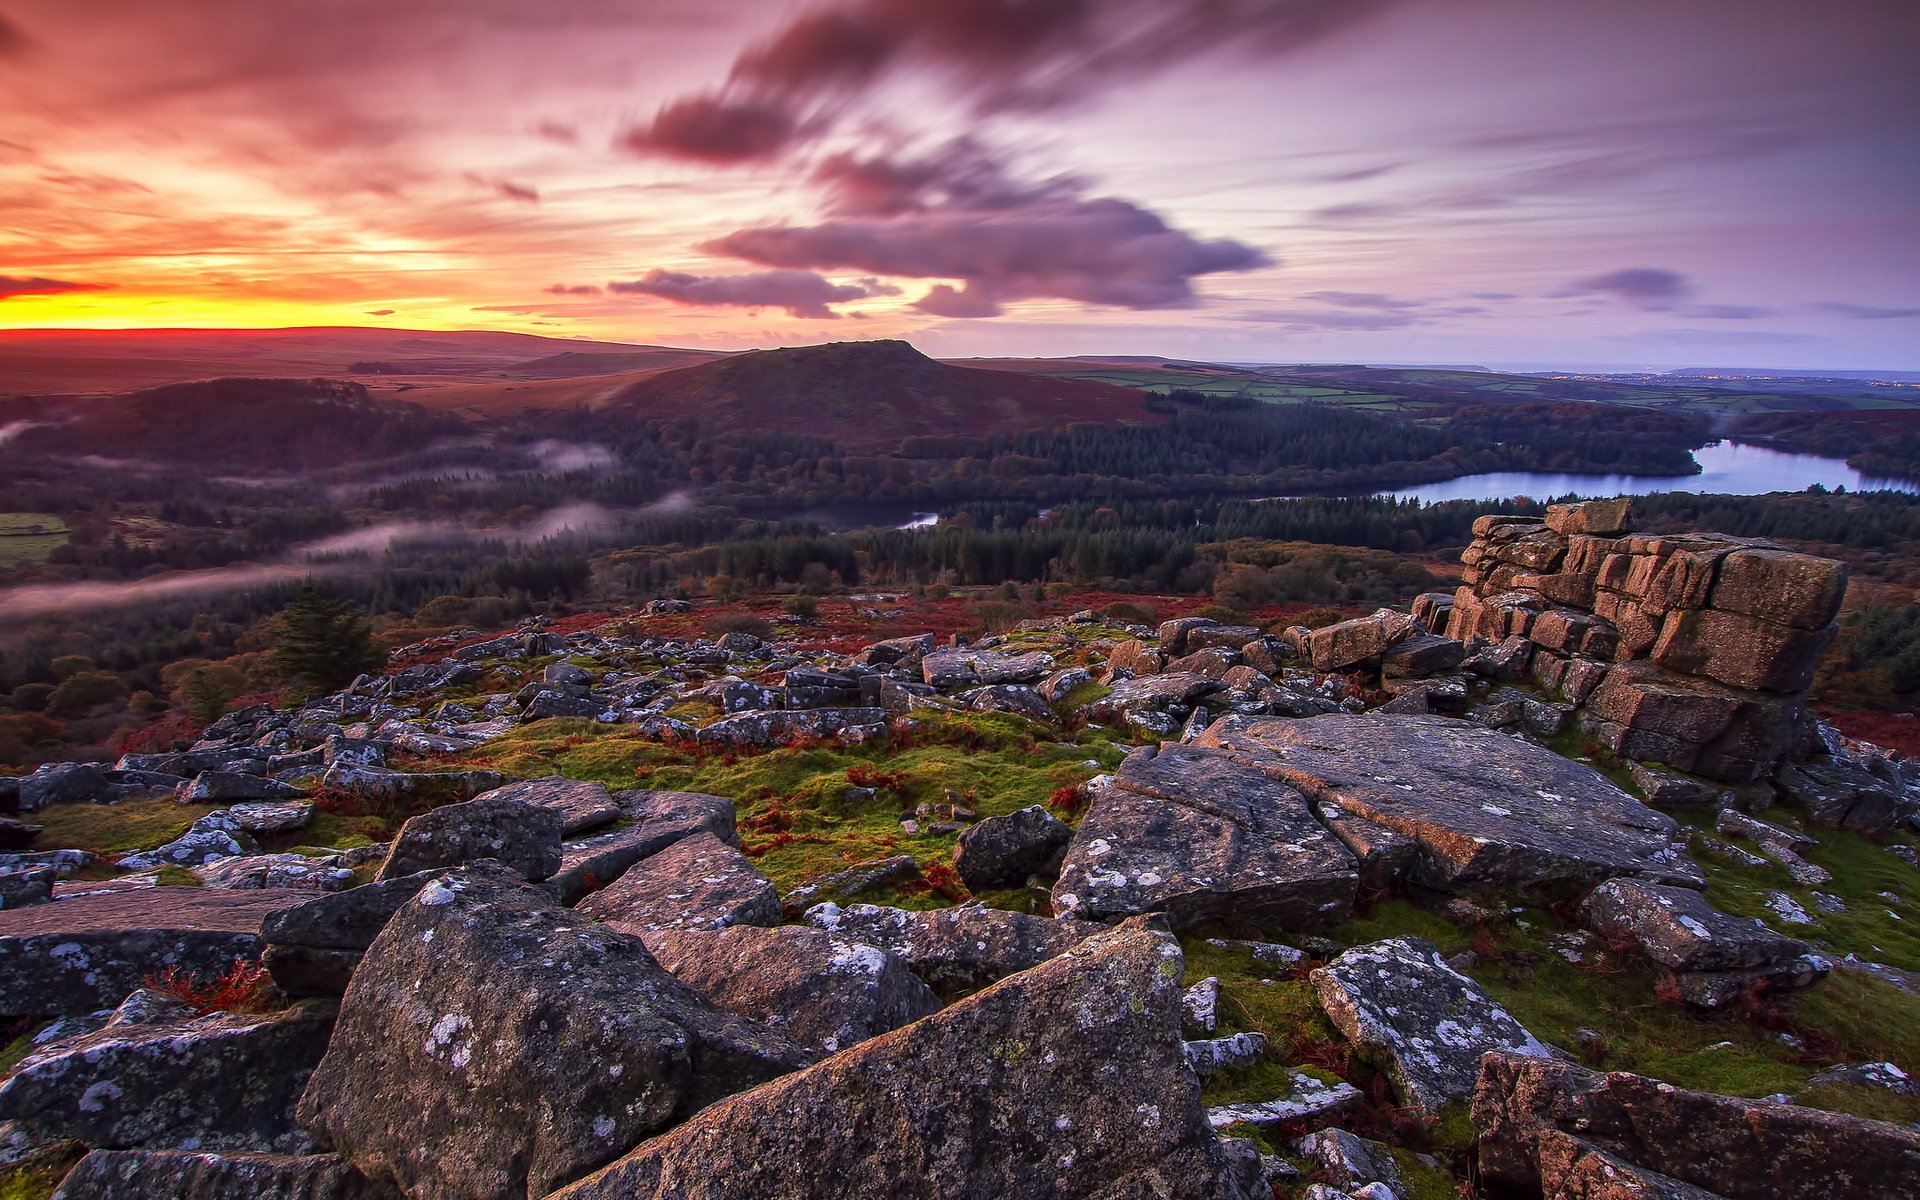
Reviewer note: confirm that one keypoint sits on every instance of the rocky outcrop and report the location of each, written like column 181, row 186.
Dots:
column 494, row 1044
column 1424, row 1024
column 1201, row 834
column 1540, row 1120
column 227, row 1081
column 1485, row 812
column 1693, row 650
column 825, row 992
column 1067, row 1080
column 90, row 952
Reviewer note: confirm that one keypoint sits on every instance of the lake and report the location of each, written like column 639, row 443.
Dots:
column 1727, row 468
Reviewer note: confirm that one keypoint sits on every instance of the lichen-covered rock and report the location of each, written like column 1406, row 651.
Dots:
column 850, row 884
column 825, row 992
column 699, row 882
column 1200, row 835
column 87, row 953
column 1006, row 851
column 227, row 1081
column 658, row 820
column 229, row 787
column 1424, row 1023
column 955, row 950
column 494, row 1044
column 26, row 885
column 1171, row 694
column 1345, row 643
column 377, row 784
column 296, row 872
column 1677, row 928
column 271, row 818
column 197, row 1175
column 580, row 805
column 778, row 727
column 312, row 948
column 216, row 835
column 1734, row 1148
column 1488, row 812
column 521, row 836
column 1065, row 1081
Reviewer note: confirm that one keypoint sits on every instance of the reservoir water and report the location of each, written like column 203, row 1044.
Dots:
column 1727, row 468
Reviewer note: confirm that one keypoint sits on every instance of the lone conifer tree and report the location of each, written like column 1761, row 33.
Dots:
column 322, row 643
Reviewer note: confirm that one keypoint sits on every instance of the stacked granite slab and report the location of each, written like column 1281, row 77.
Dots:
column 1694, row 650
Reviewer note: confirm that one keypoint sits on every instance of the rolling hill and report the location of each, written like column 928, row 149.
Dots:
column 872, row 394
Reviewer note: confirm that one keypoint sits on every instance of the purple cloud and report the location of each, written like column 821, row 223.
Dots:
column 1647, row 287
column 712, row 129
column 35, row 285
column 1865, row 312
column 578, row 289
column 802, row 293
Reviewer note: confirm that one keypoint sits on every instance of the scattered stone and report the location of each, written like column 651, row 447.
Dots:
column 699, row 882
column 64, row 783
column 1733, row 1148
column 227, row 1081
column 1346, row 643
column 824, row 992
column 1210, row 1056
column 1006, row 851
column 87, row 953
column 1200, row 835
column 1350, row 1161
column 1425, row 1023
column 232, row 787
column 1677, row 928
column 495, row 1044
column 521, row 836
column 1665, row 788
column 269, row 819
column 1308, row 1099
column 25, row 886
column 995, row 1096
column 216, row 835
column 1423, row 654
column 1200, row 1004
column 295, row 872
column 850, row 884
column 781, row 727
column 955, row 950
column 1883, row 1075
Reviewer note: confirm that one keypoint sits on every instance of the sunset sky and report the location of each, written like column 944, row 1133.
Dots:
column 1503, row 182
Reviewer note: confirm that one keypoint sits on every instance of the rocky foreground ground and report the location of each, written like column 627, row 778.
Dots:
column 1549, row 887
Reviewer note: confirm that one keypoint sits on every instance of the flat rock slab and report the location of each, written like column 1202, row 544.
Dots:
column 194, row 1175
column 1730, row 1147
column 1425, row 1023
column 826, row 992
column 955, row 950
column 658, row 820
column 227, row 1081
column 495, row 1044
column 1203, row 835
column 1065, row 1081
column 699, row 882
column 1677, row 928
column 88, row 953
column 1488, row 812
column 580, row 804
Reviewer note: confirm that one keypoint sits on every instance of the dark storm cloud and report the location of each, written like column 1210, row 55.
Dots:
column 802, row 293
column 1096, row 251
column 1647, row 287
column 999, row 55
column 34, row 285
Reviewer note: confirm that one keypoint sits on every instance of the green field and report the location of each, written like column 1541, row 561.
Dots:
column 27, row 539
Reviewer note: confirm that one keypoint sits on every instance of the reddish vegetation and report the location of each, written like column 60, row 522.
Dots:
column 1895, row 731
column 243, row 987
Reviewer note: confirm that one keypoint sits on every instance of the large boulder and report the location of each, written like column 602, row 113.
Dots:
column 1201, row 835
column 196, row 1175
column 88, row 953
column 1741, row 651
column 1487, row 812
column 581, row 805
column 1002, row 852
column 1066, row 1081
column 1716, row 958
column 699, row 882
column 1734, row 1148
column 1348, row 643
column 494, row 1044
column 825, row 992
column 522, row 836
column 227, row 1081
column 954, row 950
column 1780, row 586
column 1425, row 1024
